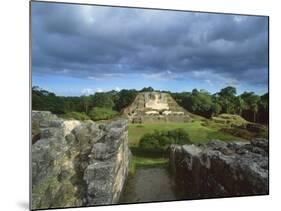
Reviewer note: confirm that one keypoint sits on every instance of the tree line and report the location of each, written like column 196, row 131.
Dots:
column 102, row 105
column 249, row 105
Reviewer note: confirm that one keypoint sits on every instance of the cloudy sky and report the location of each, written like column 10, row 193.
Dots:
column 79, row 49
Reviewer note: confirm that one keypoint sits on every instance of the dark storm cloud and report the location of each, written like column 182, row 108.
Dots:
column 94, row 42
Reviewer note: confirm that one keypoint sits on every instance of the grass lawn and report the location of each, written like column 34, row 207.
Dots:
column 197, row 132
column 146, row 162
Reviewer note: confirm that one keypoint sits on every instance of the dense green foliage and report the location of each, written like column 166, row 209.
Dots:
column 180, row 97
column 197, row 131
column 147, row 89
column 263, row 109
column 44, row 100
column 125, row 98
column 250, row 106
column 98, row 113
column 76, row 115
column 104, row 105
column 201, row 103
column 159, row 141
column 102, row 100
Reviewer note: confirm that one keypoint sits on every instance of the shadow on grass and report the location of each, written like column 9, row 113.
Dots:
column 137, row 151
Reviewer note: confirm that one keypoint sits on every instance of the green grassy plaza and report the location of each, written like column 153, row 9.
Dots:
column 197, row 131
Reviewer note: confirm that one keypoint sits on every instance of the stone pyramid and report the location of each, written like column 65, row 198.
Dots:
column 150, row 107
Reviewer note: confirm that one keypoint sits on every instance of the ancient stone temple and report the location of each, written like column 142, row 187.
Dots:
column 149, row 107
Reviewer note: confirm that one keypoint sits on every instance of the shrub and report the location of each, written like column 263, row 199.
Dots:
column 179, row 136
column 149, row 142
column 158, row 142
column 98, row 113
column 76, row 115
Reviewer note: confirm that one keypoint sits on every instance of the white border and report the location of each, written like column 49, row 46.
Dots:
column 15, row 103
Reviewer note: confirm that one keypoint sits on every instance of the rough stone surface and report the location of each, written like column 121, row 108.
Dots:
column 151, row 107
column 77, row 163
column 219, row 169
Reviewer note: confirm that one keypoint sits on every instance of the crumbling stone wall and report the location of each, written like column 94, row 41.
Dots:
column 77, row 163
column 220, row 169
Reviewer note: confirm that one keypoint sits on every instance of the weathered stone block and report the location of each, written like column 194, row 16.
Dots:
column 77, row 163
column 221, row 169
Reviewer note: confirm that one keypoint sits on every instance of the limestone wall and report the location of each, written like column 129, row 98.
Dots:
column 218, row 169
column 156, row 101
column 77, row 163
column 155, row 107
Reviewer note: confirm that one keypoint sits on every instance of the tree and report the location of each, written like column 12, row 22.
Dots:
column 195, row 92
column 199, row 102
column 180, row 96
column 45, row 100
column 251, row 101
column 215, row 109
column 102, row 100
column 86, row 101
column 228, row 92
column 239, row 105
column 251, row 106
column 147, row 89
column 37, row 99
column 125, row 98
column 73, row 104
column 227, row 99
column 263, row 109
